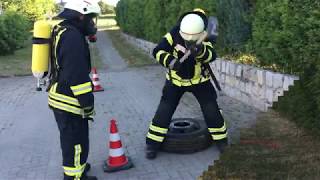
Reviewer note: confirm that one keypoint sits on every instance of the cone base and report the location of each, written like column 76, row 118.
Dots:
column 108, row 168
column 98, row 89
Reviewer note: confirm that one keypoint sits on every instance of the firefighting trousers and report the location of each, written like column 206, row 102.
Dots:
column 74, row 140
column 171, row 95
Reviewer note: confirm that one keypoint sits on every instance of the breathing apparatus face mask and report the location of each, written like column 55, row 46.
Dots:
column 190, row 44
column 89, row 25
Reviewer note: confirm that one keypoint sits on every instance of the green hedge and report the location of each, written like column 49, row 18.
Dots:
column 234, row 25
column 14, row 30
column 151, row 19
column 33, row 9
column 286, row 35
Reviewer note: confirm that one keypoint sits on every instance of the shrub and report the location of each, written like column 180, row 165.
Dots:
column 14, row 30
column 105, row 8
column 234, row 25
column 33, row 9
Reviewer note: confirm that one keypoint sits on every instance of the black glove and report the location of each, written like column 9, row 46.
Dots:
column 175, row 64
column 197, row 50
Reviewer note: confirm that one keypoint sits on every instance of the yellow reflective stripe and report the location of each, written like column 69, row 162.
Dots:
column 71, row 171
column 77, row 152
column 56, row 44
column 219, row 136
column 186, row 82
column 81, row 89
column 169, row 38
column 54, row 87
column 65, row 107
column 62, row 97
column 158, row 129
column 159, row 54
column 155, row 137
column 208, row 44
column 222, row 129
column 203, row 53
column 209, row 57
column 165, row 59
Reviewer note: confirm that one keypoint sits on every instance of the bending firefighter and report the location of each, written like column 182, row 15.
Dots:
column 70, row 90
column 184, row 52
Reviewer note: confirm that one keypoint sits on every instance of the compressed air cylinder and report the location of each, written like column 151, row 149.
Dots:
column 41, row 48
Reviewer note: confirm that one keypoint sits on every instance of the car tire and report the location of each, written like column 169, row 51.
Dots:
column 186, row 135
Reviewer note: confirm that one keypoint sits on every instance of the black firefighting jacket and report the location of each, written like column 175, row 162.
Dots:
column 72, row 90
column 192, row 71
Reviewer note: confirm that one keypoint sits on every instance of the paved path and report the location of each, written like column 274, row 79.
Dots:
column 29, row 144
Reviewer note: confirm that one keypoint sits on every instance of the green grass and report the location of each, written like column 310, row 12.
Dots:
column 131, row 54
column 107, row 22
column 273, row 149
column 18, row 63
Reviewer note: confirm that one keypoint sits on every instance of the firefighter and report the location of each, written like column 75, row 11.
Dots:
column 70, row 90
column 187, row 76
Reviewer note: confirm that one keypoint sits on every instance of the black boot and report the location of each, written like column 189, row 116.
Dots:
column 222, row 145
column 85, row 177
column 151, row 152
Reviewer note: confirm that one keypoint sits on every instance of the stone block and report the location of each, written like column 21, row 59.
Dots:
column 228, row 80
column 286, row 83
column 261, row 77
column 245, row 73
column 248, row 88
column 223, row 78
column 277, row 80
column 277, row 93
column 269, row 79
column 218, row 65
column 235, row 82
column 255, row 90
column 227, row 67
column 242, row 86
column 269, row 95
column 232, row 69
column 253, row 76
column 223, row 66
column 262, row 93
column 239, row 71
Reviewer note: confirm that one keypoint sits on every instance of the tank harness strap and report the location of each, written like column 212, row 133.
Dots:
column 57, row 31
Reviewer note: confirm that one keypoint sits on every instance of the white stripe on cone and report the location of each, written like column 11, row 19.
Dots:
column 95, row 75
column 114, row 137
column 116, row 152
column 95, row 83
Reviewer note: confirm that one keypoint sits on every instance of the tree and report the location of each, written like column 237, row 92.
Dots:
column 33, row 9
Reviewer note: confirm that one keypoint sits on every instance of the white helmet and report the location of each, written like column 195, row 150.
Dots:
column 83, row 6
column 192, row 27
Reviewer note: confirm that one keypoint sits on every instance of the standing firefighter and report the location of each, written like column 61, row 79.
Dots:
column 189, row 75
column 70, row 90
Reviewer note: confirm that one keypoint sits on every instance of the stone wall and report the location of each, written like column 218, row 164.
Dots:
column 251, row 85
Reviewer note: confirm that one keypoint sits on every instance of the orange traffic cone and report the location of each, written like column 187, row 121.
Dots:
column 117, row 160
column 95, row 80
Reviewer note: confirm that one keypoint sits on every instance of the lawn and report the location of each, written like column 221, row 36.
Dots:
column 18, row 63
column 273, row 149
column 131, row 54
